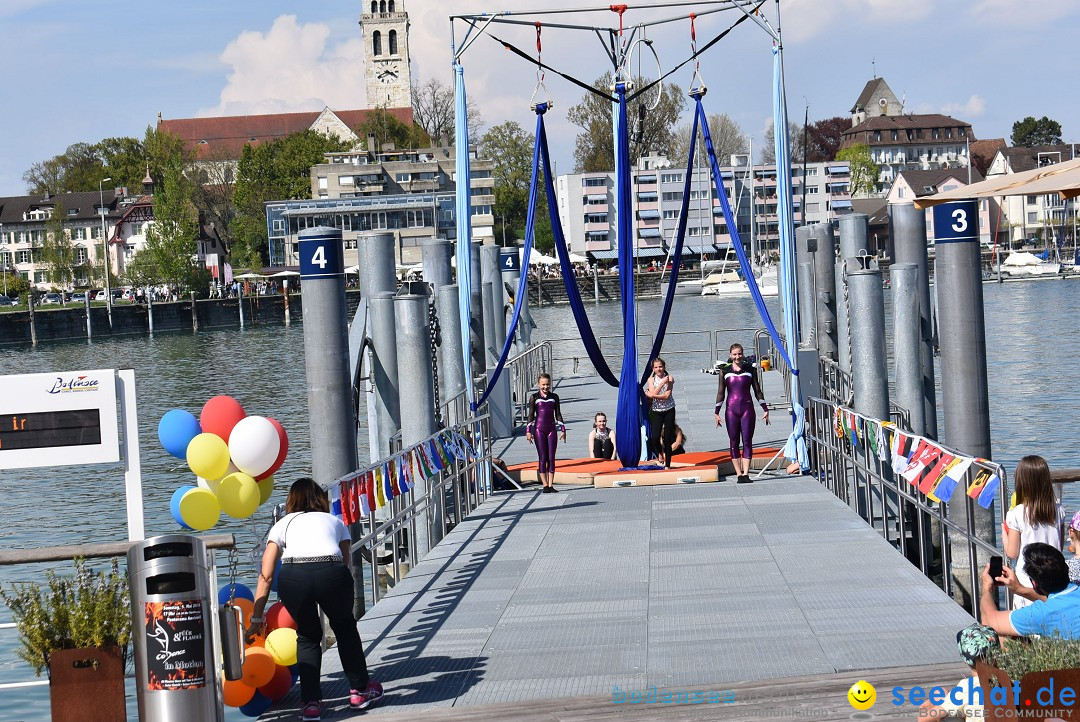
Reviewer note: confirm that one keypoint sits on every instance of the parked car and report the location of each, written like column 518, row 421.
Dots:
column 78, row 297
column 7, row 301
column 51, row 299
column 99, row 296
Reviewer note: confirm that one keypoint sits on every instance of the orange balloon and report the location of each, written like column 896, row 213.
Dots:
column 237, row 694
column 280, row 685
column 258, row 667
column 259, row 640
column 246, row 608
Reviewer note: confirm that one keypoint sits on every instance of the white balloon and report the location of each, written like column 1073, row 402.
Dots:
column 211, row 486
column 254, row 445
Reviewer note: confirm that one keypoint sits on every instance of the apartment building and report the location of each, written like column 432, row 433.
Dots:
column 587, row 206
column 1032, row 216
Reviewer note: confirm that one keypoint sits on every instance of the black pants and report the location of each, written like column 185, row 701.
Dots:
column 662, row 426
column 306, row 588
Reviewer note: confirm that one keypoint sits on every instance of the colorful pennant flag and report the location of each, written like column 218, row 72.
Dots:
column 986, row 496
column 901, row 451
column 367, row 501
column 982, row 478
column 934, row 475
column 388, row 481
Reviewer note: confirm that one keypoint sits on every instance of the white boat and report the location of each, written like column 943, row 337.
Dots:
column 1021, row 264
column 693, row 286
column 730, row 283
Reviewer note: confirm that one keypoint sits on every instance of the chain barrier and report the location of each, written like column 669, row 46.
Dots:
column 435, row 333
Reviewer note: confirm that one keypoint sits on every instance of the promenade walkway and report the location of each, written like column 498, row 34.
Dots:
column 548, row 606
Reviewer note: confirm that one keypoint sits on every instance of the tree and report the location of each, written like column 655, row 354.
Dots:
column 46, row 176
column 1029, row 132
column 510, row 147
column 594, row 148
column 727, row 137
column 434, row 112
column 795, row 144
column 864, row 171
column 57, row 253
column 388, row 129
column 823, row 138
column 172, row 239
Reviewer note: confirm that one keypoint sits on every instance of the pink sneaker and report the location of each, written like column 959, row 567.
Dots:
column 369, row 697
column 312, row 712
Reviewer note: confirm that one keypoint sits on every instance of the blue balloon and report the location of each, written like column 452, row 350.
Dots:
column 176, row 430
column 242, row 592
column 258, row 704
column 174, row 504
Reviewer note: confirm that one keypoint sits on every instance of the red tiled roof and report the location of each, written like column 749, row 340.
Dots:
column 224, row 137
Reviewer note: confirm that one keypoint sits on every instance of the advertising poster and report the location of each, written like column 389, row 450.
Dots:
column 175, row 648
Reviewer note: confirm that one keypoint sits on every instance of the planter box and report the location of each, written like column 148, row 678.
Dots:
column 87, row 685
column 1039, row 696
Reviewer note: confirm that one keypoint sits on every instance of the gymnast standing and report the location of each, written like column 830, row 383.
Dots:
column 737, row 380
column 545, row 420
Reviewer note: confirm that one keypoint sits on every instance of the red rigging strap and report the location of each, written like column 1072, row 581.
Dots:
column 538, row 27
column 620, row 9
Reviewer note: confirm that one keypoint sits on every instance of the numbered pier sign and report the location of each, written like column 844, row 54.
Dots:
column 957, row 222
column 510, row 261
column 321, row 255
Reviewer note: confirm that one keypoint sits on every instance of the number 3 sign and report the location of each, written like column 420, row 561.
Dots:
column 321, row 255
column 956, row 222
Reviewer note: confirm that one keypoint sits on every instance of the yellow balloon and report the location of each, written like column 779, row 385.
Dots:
column 208, row 456
column 266, row 488
column 199, row 509
column 1012, row 500
column 239, row 495
column 281, row 644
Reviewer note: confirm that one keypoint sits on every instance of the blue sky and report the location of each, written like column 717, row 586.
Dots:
column 75, row 71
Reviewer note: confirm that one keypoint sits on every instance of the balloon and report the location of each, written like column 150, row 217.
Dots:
column 280, row 685
column 239, row 495
column 284, row 440
column 236, row 590
column 237, row 693
column 208, row 456
column 174, row 504
column 219, row 415
column 258, row 667
column 247, row 607
column 277, row 616
column 199, row 509
column 254, row 445
column 281, row 643
column 176, row 430
column 259, row 703
column 211, row 486
column 266, row 489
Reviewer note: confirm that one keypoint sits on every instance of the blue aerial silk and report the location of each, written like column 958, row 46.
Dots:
column 464, row 224
column 795, row 448
column 736, row 241
column 629, row 408
column 523, row 279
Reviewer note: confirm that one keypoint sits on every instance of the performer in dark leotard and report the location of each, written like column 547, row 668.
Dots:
column 737, row 380
column 545, row 420
column 601, row 438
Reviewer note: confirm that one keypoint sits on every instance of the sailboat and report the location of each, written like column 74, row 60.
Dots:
column 728, row 282
column 1021, row 264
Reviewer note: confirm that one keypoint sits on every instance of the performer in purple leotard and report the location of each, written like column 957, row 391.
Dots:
column 737, row 380
column 545, row 420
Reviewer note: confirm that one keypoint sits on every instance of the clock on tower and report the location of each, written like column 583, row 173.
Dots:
column 386, row 54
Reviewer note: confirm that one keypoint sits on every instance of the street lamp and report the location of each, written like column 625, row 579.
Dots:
column 105, row 247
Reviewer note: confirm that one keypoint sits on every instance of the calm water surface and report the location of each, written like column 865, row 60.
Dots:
column 1033, row 393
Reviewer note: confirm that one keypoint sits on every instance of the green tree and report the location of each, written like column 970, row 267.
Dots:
column 1030, row 132
column 864, row 171
column 388, row 129
column 510, row 147
column 594, row 148
column 172, row 239
column 57, row 253
column 124, row 161
column 727, row 137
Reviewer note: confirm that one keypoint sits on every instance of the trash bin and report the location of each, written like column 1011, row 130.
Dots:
column 176, row 666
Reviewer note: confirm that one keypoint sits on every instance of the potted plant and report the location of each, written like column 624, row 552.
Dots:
column 1044, row 666
column 78, row 628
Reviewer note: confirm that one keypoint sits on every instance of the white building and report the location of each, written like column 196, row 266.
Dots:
column 1027, row 217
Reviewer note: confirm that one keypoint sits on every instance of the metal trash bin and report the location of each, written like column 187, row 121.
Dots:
column 172, row 615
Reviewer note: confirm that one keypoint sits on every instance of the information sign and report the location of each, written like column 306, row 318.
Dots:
column 321, row 256
column 956, row 222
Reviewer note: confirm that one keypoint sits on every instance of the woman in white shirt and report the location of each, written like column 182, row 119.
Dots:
column 314, row 548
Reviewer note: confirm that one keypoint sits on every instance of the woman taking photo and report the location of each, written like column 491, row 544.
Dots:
column 314, row 548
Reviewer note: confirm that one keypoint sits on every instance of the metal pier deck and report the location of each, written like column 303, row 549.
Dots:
column 559, row 597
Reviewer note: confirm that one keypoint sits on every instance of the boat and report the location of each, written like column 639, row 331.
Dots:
column 1021, row 264
column 731, row 283
column 712, row 272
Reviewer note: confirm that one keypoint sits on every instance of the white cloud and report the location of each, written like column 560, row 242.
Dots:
column 1011, row 14
column 291, row 67
column 973, row 108
column 805, row 19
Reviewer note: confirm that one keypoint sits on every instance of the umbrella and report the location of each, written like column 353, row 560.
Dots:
column 575, row 258
column 353, row 269
column 248, row 276
column 284, row 274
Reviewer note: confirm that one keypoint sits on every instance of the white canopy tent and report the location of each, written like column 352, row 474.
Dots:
column 537, row 257
column 1062, row 178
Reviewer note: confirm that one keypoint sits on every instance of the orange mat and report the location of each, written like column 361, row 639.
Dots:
column 692, row 467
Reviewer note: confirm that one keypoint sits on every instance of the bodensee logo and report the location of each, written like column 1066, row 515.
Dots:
column 73, row 384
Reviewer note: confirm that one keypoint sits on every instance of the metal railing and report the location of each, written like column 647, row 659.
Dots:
column 922, row 529
column 451, row 495
column 836, row 383
column 524, row 370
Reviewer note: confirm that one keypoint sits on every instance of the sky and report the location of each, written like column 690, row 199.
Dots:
column 74, row 71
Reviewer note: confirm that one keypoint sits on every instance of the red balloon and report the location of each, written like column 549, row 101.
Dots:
column 219, row 415
column 281, row 454
column 277, row 616
column 279, row 686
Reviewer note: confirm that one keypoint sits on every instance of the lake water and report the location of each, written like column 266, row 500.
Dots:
column 1033, row 394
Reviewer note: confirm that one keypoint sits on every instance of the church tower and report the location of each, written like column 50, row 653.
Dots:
column 385, row 27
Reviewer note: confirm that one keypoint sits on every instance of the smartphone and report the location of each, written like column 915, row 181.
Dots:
column 995, row 567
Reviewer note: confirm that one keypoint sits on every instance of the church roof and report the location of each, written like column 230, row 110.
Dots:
column 224, row 138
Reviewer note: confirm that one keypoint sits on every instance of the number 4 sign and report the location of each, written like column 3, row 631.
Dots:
column 321, row 255
column 957, row 222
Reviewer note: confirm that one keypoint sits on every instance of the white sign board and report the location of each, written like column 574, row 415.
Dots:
column 58, row 419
